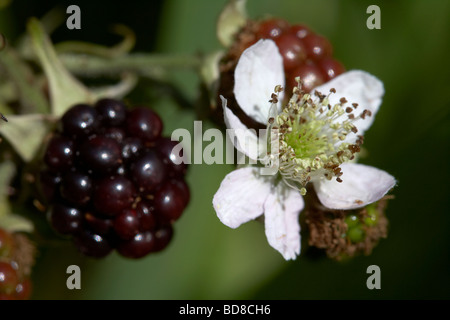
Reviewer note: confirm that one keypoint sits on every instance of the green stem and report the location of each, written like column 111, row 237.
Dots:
column 154, row 66
column 31, row 97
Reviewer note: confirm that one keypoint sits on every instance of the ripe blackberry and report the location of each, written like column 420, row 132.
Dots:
column 112, row 181
column 305, row 54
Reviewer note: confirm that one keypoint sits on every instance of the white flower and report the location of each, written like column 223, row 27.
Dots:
column 318, row 136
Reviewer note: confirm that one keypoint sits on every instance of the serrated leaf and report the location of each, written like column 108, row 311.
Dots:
column 231, row 19
column 65, row 90
column 26, row 133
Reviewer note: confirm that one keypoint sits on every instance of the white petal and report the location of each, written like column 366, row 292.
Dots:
column 357, row 87
column 259, row 70
column 247, row 142
column 241, row 197
column 361, row 186
column 281, row 212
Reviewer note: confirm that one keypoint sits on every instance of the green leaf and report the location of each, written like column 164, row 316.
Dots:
column 231, row 19
column 7, row 172
column 65, row 90
column 31, row 97
column 16, row 223
column 210, row 74
column 26, row 133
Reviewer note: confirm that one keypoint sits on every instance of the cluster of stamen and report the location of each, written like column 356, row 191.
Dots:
column 310, row 135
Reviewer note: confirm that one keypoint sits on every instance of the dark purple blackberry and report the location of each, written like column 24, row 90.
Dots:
column 148, row 171
column 111, row 112
column 131, row 147
column 49, row 184
column 147, row 215
column 170, row 201
column 76, row 187
column 112, row 195
column 100, row 154
column 65, row 219
column 139, row 246
column 163, row 236
column 115, row 133
column 111, row 181
column 126, row 224
column 92, row 244
column 59, row 154
column 145, row 124
column 98, row 224
column 172, row 159
column 80, row 121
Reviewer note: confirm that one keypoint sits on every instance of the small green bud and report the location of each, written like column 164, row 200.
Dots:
column 352, row 221
column 372, row 218
column 356, row 234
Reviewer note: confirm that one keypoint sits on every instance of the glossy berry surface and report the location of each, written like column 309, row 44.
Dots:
column 145, row 124
column 100, row 154
column 92, row 244
column 139, row 246
column 79, row 121
column 111, row 112
column 172, row 157
column 8, row 278
column 60, row 153
column 65, row 219
column 148, row 171
column 170, row 201
column 76, row 188
column 126, row 224
column 291, row 49
column 112, row 181
column 113, row 195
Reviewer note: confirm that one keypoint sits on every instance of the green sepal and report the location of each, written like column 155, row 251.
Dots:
column 65, row 90
column 8, row 220
column 232, row 18
column 26, row 133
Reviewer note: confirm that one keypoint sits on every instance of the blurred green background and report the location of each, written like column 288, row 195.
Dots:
column 409, row 139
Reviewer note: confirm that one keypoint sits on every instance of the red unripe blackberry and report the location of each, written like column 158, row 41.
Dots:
column 317, row 47
column 310, row 75
column 272, row 29
column 305, row 54
column 8, row 278
column 291, row 49
column 106, row 172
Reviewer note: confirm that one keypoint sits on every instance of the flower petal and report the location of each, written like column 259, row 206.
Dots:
column 247, row 141
column 259, row 70
column 359, row 87
column 281, row 212
column 361, row 186
column 241, row 197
